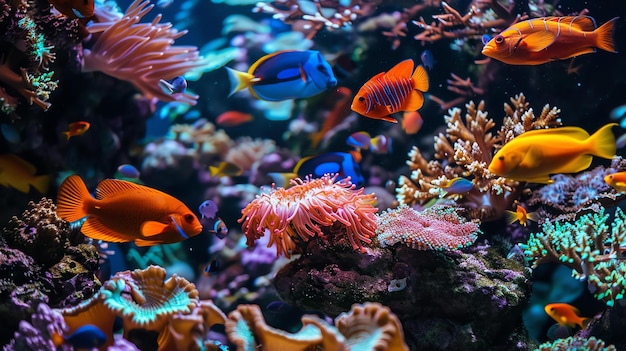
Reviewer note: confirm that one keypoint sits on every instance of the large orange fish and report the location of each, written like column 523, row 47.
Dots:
column 19, row 174
column 566, row 314
column 534, row 155
column 399, row 89
column 123, row 211
column 617, row 181
column 546, row 39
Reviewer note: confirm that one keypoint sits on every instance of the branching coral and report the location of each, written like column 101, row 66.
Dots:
column 589, row 247
column 466, row 151
column 295, row 215
column 370, row 326
column 142, row 53
column 436, row 228
column 576, row 343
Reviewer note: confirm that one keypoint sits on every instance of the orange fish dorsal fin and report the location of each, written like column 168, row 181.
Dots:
column 402, row 69
column 539, row 40
column 94, row 229
column 151, row 228
column 420, row 79
column 583, row 23
column 110, row 187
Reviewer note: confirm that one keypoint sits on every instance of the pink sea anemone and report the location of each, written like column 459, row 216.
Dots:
column 142, row 53
column 296, row 214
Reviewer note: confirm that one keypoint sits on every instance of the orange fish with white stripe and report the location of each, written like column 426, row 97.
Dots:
column 399, row 89
column 545, row 39
column 123, row 211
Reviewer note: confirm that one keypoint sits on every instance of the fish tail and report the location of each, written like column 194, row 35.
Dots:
column 67, row 135
column 584, row 322
column 41, row 183
column 602, row 142
column 420, row 79
column 605, row 36
column 511, row 216
column 72, row 198
column 239, row 80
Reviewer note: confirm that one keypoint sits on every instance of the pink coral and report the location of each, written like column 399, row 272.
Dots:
column 142, row 53
column 437, row 228
column 296, row 214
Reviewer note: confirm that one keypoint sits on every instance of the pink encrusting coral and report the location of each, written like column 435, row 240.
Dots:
column 297, row 214
column 436, row 228
column 142, row 53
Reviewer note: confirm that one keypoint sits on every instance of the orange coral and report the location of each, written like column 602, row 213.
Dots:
column 297, row 213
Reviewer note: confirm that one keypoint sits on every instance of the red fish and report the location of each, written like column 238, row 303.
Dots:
column 233, row 118
column 74, row 8
column 123, row 211
column 546, row 39
column 566, row 314
column 400, row 89
column 76, row 128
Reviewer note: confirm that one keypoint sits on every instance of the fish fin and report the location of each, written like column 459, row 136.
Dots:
column 239, row 80
column 303, row 75
column 402, row 69
column 67, row 135
column 542, row 179
column 151, row 228
column 511, row 216
column 21, row 163
column 572, row 132
column 72, row 199
column 577, row 164
column 386, row 119
column 420, row 79
column 41, row 183
column 143, row 242
column 414, row 102
column 602, row 142
column 109, row 187
column 539, row 40
column 605, row 34
column 532, row 216
column 584, row 323
column 583, row 23
column 95, row 229
column 282, row 180
column 214, row 170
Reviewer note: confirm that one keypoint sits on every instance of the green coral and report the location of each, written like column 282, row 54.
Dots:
column 589, row 247
column 575, row 343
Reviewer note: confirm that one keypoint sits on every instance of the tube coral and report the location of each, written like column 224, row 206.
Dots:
column 296, row 214
column 142, row 53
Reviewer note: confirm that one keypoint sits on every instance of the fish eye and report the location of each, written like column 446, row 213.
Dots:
column 501, row 158
column 321, row 68
column 499, row 39
column 361, row 99
column 189, row 218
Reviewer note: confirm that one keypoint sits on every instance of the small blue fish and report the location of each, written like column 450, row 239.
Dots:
column 128, row 171
column 208, row 210
column 342, row 163
column 212, row 268
column 458, row 185
column 359, row 140
column 174, row 86
column 87, row 336
column 285, row 75
column 428, row 60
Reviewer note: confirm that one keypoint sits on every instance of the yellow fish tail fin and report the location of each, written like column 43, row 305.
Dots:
column 420, row 79
column 239, row 80
column 532, row 216
column 41, row 183
column 605, row 36
column 602, row 142
column 71, row 199
column 511, row 217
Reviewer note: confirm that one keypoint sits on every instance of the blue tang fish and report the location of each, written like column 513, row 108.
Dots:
column 342, row 163
column 285, row 75
column 174, row 86
column 87, row 336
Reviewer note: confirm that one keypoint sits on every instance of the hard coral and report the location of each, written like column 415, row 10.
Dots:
column 293, row 216
column 142, row 53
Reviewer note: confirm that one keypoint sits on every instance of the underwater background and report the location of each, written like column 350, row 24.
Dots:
column 341, row 208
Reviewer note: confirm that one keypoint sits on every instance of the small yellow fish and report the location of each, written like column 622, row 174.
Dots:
column 19, row 174
column 521, row 215
column 617, row 181
column 566, row 314
column 535, row 155
column 225, row 169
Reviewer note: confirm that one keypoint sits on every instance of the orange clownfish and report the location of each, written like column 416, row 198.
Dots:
column 566, row 314
column 534, row 155
column 399, row 89
column 521, row 215
column 617, row 181
column 76, row 128
column 546, row 39
column 123, row 211
column 74, row 8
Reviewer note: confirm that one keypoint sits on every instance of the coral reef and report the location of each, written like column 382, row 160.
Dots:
column 293, row 216
column 576, row 343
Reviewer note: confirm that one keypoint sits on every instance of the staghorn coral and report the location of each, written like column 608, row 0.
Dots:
column 466, row 150
column 370, row 326
column 293, row 216
column 436, row 228
column 142, row 53
column 589, row 247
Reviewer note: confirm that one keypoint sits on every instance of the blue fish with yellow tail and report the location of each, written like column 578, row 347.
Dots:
column 285, row 75
column 342, row 163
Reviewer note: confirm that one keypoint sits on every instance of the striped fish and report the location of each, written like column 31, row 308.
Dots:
column 399, row 89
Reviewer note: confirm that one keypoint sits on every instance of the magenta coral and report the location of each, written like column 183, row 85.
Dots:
column 437, row 228
column 297, row 214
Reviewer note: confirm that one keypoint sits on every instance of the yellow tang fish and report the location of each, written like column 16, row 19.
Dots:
column 535, row 155
column 19, row 174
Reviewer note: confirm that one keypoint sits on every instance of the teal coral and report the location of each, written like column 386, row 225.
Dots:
column 589, row 247
column 575, row 343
